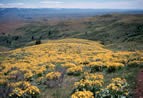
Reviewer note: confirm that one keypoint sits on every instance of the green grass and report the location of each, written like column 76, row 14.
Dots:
column 65, row 90
column 116, row 28
column 1, row 59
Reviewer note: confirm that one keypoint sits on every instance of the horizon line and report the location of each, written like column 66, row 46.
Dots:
column 71, row 8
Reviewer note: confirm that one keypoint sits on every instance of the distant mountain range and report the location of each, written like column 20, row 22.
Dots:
column 47, row 13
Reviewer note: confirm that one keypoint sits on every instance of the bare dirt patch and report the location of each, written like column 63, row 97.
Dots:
column 139, row 86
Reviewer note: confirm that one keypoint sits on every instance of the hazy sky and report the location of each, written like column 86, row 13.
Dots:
column 97, row 4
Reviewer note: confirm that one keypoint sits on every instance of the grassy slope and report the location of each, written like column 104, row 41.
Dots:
column 65, row 48
column 116, row 32
column 126, row 30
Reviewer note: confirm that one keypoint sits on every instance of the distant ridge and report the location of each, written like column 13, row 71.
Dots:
column 28, row 13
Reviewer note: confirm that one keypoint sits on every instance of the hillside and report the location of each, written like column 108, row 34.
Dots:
column 116, row 31
column 69, row 54
column 59, row 68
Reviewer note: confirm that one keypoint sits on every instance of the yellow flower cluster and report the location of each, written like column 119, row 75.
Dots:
column 32, row 90
column 28, row 75
column 53, row 75
column 113, row 87
column 24, row 84
column 13, row 72
column 39, row 79
column 82, row 94
column 90, row 81
column 68, row 65
column 95, row 64
column 94, row 83
column 75, row 70
column 93, row 76
column 119, row 80
column 51, row 66
column 23, row 87
column 114, row 64
column 18, row 92
column 99, row 65
column 118, row 85
column 3, row 81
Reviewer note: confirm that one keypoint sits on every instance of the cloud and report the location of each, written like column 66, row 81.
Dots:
column 1, row 4
column 111, row 4
column 15, row 3
column 51, row 2
column 101, row 5
column 12, row 5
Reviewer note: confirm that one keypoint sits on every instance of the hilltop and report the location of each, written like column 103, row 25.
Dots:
column 59, row 68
